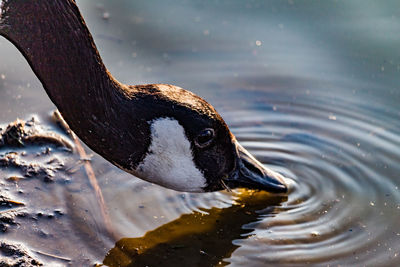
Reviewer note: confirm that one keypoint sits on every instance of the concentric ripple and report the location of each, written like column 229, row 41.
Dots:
column 344, row 207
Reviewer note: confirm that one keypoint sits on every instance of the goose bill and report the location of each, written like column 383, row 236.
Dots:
column 250, row 173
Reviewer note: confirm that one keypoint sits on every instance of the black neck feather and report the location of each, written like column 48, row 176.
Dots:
column 53, row 37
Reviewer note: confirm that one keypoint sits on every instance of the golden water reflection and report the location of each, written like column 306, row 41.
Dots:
column 196, row 239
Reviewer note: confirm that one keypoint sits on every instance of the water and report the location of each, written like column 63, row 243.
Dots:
column 311, row 88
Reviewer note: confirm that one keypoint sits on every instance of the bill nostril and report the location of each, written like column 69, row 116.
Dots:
column 252, row 168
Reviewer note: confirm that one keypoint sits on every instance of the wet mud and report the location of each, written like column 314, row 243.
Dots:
column 37, row 161
column 16, row 255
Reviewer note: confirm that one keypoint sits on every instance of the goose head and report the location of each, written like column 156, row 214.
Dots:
column 190, row 147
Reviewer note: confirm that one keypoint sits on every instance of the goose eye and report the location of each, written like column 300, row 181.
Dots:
column 205, row 137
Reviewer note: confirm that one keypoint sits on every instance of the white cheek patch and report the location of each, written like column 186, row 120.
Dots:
column 169, row 161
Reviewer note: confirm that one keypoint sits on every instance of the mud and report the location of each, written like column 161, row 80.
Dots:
column 31, row 156
column 9, row 211
column 20, row 133
column 13, row 255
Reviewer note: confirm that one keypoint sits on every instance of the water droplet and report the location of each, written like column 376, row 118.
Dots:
column 315, row 234
column 106, row 15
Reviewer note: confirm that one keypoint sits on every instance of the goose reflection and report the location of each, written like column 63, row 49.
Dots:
column 198, row 239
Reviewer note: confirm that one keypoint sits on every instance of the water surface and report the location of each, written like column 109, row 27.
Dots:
column 311, row 88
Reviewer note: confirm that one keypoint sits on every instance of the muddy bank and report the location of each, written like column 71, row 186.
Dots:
column 42, row 187
column 16, row 255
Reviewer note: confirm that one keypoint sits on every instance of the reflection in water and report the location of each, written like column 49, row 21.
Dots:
column 203, row 238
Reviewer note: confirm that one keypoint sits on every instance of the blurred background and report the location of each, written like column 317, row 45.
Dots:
column 349, row 47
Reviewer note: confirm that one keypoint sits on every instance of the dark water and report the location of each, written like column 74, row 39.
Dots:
column 311, row 88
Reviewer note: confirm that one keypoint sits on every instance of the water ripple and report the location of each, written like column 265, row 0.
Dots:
column 342, row 208
column 345, row 200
